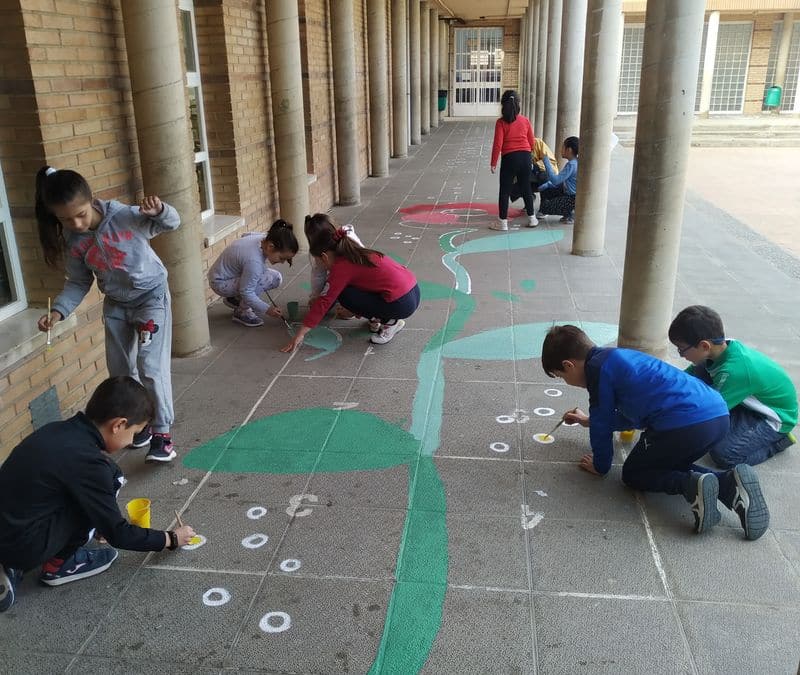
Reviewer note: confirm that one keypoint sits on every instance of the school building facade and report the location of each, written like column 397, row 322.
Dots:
column 238, row 111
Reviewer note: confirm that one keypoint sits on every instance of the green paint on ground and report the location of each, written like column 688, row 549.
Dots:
column 527, row 285
column 323, row 338
column 508, row 297
column 305, row 285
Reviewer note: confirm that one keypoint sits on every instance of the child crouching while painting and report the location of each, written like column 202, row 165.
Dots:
column 364, row 281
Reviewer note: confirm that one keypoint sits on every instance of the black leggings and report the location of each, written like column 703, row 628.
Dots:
column 515, row 164
column 372, row 305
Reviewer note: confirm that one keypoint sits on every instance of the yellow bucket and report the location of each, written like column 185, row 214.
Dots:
column 139, row 512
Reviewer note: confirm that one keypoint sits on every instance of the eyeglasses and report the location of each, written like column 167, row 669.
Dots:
column 682, row 350
column 714, row 341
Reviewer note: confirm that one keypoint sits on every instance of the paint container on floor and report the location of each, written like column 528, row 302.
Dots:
column 627, row 436
column 139, row 512
column 293, row 310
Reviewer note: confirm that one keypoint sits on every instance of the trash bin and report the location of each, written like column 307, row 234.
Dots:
column 442, row 100
column 773, row 97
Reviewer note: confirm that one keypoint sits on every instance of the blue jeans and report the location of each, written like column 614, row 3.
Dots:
column 750, row 440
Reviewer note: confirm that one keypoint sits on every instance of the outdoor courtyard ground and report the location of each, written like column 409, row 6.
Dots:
column 408, row 519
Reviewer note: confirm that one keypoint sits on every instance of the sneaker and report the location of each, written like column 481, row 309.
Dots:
column 501, row 225
column 142, row 438
column 387, row 332
column 233, row 302
column 540, row 215
column 749, row 503
column 247, row 318
column 161, row 449
column 567, row 220
column 705, row 487
column 9, row 579
column 375, row 325
column 533, row 221
column 85, row 562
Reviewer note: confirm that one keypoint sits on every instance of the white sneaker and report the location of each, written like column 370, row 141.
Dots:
column 501, row 225
column 387, row 332
column 532, row 221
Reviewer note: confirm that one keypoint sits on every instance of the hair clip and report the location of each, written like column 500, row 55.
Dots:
column 50, row 171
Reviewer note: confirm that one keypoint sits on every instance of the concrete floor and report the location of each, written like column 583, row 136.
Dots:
column 409, row 521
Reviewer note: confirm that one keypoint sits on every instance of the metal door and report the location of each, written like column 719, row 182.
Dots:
column 478, row 71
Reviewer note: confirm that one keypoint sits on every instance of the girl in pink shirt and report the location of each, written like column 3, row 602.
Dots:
column 364, row 281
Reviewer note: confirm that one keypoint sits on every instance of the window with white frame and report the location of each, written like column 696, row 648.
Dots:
column 12, row 292
column 195, row 92
column 789, row 96
column 630, row 68
column 730, row 66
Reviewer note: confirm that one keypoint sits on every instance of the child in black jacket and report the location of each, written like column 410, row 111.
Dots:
column 59, row 485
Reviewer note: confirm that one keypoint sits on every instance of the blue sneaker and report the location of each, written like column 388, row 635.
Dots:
column 85, row 562
column 9, row 579
column 749, row 503
column 705, row 487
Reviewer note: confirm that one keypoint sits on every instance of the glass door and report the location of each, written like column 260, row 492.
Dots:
column 478, row 71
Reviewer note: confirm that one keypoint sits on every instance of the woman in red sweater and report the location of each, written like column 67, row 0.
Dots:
column 364, row 281
column 513, row 138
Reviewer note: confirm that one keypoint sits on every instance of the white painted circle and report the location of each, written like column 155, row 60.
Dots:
column 394, row 237
column 255, row 540
column 267, row 627
column 398, row 233
column 256, row 512
column 214, row 597
column 506, row 419
column 544, row 439
column 192, row 547
column 290, row 565
column 555, row 393
column 544, row 412
column 499, row 446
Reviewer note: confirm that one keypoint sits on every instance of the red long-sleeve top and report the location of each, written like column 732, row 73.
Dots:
column 511, row 137
column 389, row 278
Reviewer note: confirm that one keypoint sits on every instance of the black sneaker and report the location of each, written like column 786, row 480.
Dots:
column 9, row 579
column 705, row 487
column 233, row 302
column 749, row 502
column 161, row 449
column 142, row 438
column 83, row 563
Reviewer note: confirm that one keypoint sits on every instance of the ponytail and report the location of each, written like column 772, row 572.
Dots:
column 509, row 105
column 328, row 238
column 281, row 236
column 54, row 188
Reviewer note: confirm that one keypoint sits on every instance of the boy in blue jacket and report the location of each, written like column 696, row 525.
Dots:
column 681, row 417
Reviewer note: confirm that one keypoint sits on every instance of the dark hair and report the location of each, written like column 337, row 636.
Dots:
column 324, row 236
column 120, row 396
column 564, row 343
column 509, row 105
column 282, row 237
column 696, row 323
column 572, row 143
column 53, row 189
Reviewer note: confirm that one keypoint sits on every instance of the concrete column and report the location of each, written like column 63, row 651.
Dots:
column 553, row 69
column 425, row 67
column 288, row 121
column 166, row 157
column 378, row 87
column 709, row 59
column 444, row 56
column 399, row 80
column 783, row 50
column 619, row 64
column 414, row 56
column 672, row 38
column 434, row 77
column 533, row 59
column 600, row 76
column 570, row 79
column 344, row 101
column 523, row 61
column 541, row 68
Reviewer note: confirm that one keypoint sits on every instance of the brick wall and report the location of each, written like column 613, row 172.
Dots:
column 759, row 56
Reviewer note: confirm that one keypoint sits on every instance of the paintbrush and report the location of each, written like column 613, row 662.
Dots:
column 288, row 325
column 178, row 518
column 49, row 328
column 555, row 428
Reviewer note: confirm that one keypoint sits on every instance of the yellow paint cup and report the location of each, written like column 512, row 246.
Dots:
column 139, row 512
column 627, row 436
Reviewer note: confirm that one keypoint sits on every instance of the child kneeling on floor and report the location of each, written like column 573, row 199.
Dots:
column 241, row 273
column 681, row 417
column 365, row 282
column 58, row 486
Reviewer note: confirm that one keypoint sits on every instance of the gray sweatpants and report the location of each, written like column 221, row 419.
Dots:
column 229, row 288
column 139, row 344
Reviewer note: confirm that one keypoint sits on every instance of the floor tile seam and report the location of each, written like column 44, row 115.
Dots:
column 204, row 370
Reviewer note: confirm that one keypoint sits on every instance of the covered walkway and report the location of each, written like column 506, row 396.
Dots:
column 386, row 507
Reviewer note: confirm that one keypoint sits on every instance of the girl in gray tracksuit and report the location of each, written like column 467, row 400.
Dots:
column 109, row 241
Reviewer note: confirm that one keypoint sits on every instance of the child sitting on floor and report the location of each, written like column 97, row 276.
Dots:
column 682, row 419
column 58, row 486
column 558, row 192
column 759, row 394
column 241, row 273
column 364, row 281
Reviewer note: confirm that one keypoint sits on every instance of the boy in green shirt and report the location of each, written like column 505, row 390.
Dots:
column 761, row 397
